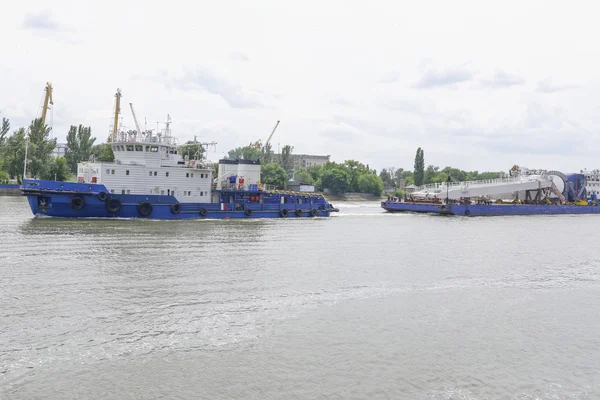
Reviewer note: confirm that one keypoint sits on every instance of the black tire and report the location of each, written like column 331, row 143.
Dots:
column 299, row 213
column 284, row 212
column 102, row 196
column 77, row 203
column 176, row 208
column 203, row 212
column 313, row 213
column 144, row 208
column 248, row 212
column 113, row 205
column 467, row 212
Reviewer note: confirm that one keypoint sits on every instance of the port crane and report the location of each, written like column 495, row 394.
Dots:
column 47, row 100
column 135, row 120
column 115, row 128
column 258, row 144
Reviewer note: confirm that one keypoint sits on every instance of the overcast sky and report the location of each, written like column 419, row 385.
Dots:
column 479, row 85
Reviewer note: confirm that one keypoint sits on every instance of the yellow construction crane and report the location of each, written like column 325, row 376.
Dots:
column 115, row 128
column 47, row 100
column 258, row 143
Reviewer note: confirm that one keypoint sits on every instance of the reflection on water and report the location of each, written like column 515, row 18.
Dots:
column 361, row 305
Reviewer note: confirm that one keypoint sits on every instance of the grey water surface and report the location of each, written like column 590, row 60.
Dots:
column 363, row 305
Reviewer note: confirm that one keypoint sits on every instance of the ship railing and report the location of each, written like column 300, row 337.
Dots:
column 466, row 184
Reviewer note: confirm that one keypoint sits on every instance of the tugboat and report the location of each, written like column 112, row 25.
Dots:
column 150, row 178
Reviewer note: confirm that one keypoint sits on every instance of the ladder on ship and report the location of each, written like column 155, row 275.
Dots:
column 558, row 194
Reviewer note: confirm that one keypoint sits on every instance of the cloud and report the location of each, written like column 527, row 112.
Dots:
column 502, row 79
column 390, row 77
column 548, row 86
column 41, row 21
column 204, row 79
column 432, row 78
column 238, row 56
column 339, row 131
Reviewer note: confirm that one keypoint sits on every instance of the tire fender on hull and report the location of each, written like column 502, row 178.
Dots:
column 77, row 203
column 144, row 208
column 113, row 205
column 102, row 196
column 283, row 212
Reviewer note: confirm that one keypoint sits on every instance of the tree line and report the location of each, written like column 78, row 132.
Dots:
column 396, row 179
column 278, row 169
column 41, row 164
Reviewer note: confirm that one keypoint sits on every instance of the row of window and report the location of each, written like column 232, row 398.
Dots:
column 139, row 147
column 155, row 173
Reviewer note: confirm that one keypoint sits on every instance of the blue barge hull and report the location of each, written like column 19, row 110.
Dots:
column 82, row 200
column 480, row 210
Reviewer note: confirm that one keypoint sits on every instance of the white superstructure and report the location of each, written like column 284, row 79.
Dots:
column 149, row 164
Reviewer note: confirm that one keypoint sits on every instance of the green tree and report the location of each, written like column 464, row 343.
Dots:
column 336, row 178
column 14, row 154
column 103, row 153
column 40, row 147
column 267, row 153
column 370, row 183
column 4, row 131
column 286, row 159
column 58, row 170
column 356, row 169
column 4, row 177
column 249, row 152
column 303, row 176
column 386, row 177
column 193, row 150
column 440, row 177
column 79, row 146
column 273, row 174
column 430, row 173
column 419, row 167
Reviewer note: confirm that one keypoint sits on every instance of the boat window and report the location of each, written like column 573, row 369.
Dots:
column 147, row 148
column 112, row 171
column 166, row 173
column 154, row 149
column 189, row 193
column 162, row 192
column 230, row 199
column 123, row 191
column 155, row 173
column 112, row 191
column 139, row 147
column 201, row 193
column 129, row 147
column 107, row 171
column 128, row 191
column 187, row 175
column 127, row 172
column 192, row 175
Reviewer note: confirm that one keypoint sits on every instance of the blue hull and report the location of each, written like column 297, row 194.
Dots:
column 488, row 210
column 55, row 199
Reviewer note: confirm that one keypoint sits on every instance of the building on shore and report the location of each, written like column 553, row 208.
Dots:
column 297, row 186
column 60, row 150
column 304, row 160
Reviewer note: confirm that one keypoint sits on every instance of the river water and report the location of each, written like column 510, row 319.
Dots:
column 363, row 305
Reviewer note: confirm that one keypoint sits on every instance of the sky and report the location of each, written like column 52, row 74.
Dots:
column 478, row 85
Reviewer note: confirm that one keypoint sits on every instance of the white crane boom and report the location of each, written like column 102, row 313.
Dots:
column 137, row 125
